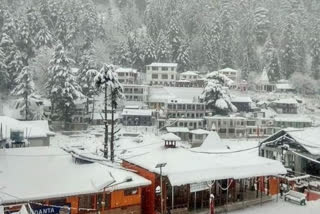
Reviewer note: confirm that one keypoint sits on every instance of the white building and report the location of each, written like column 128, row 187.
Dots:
column 127, row 75
column 161, row 74
column 135, row 92
column 230, row 73
column 189, row 75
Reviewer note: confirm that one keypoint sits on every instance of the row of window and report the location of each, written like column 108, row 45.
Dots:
column 186, row 107
column 133, row 90
column 186, row 115
column 154, row 68
column 134, row 98
column 121, row 74
column 163, row 76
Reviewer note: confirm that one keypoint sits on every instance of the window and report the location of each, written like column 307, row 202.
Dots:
column 164, row 68
column 172, row 68
column 154, row 76
column 172, row 77
column 164, row 76
column 86, row 201
column 132, row 191
column 154, row 68
column 100, row 199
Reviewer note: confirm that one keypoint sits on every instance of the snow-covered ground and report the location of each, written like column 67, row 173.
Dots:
column 282, row 207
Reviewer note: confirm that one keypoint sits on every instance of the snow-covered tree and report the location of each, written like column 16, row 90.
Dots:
column 108, row 79
column 216, row 95
column 183, row 57
column 14, row 65
column 24, row 88
column 262, row 24
column 43, row 38
column 4, row 76
column 289, row 55
column 227, row 34
column 211, row 43
column 87, row 73
column 175, row 37
column 62, row 86
column 315, row 50
column 304, row 84
column 25, row 42
column 271, row 61
column 149, row 51
column 163, row 48
column 40, row 65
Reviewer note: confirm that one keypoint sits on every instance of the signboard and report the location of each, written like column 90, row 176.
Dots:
column 51, row 210
column 197, row 187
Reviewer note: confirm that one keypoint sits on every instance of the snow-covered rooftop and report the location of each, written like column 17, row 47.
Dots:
column 284, row 86
column 170, row 137
column 185, row 166
column 289, row 118
column 241, row 99
column 166, row 94
column 307, row 137
column 228, row 70
column 126, row 70
column 212, row 143
column 32, row 129
column 159, row 64
column 48, row 172
column 199, row 132
column 264, row 77
column 189, row 73
column 178, row 129
column 286, row 101
column 136, row 112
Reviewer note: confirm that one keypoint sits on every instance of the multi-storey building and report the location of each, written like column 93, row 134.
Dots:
column 127, row 75
column 227, row 126
column 230, row 73
column 178, row 108
column 161, row 74
column 135, row 92
column 285, row 106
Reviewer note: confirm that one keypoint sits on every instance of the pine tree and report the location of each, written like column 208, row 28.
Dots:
column 183, row 58
column 43, row 38
column 24, row 88
column 25, row 42
column 289, row 55
column 163, row 48
column 315, row 50
column 108, row 80
column 227, row 32
column 217, row 96
column 211, row 44
column 87, row 73
column 62, row 87
column 262, row 24
column 271, row 61
column 149, row 51
column 4, row 76
column 175, row 37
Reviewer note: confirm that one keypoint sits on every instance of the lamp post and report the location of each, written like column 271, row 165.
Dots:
column 161, row 165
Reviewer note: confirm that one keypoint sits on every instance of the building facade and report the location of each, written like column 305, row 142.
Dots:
column 161, row 74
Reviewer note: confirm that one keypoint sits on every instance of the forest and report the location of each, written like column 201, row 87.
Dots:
column 42, row 41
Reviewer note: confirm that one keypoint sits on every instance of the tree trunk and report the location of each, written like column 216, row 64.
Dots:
column 112, row 126
column 106, row 121
column 27, row 110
